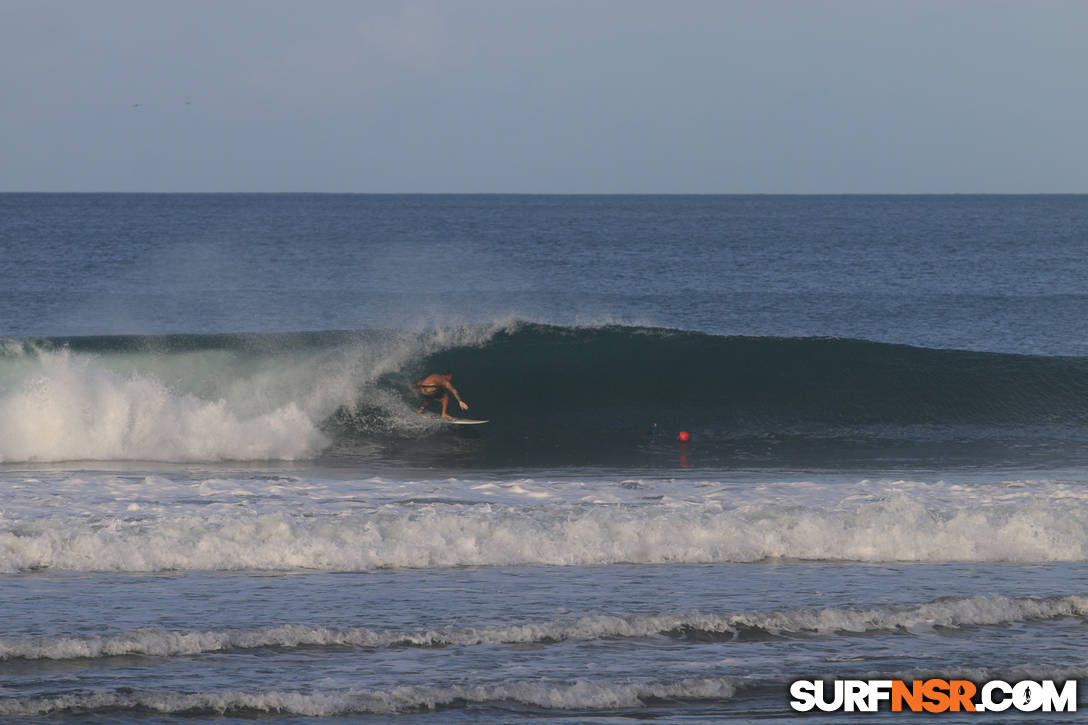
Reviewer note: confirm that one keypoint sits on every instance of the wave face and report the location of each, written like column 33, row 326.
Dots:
column 555, row 396
column 763, row 398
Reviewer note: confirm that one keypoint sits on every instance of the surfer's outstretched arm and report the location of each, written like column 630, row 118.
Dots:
column 463, row 404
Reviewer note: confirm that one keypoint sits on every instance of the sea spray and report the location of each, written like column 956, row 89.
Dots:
column 201, row 398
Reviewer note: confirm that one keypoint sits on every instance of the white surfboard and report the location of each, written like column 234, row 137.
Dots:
column 454, row 421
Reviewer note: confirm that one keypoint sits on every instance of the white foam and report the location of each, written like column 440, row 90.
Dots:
column 152, row 522
column 210, row 405
column 581, row 694
column 949, row 612
column 577, row 695
column 232, row 535
column 74, row 409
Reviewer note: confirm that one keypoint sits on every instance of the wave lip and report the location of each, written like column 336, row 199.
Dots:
column 945, row 612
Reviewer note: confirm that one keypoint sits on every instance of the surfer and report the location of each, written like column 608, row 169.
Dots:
column 437, row 387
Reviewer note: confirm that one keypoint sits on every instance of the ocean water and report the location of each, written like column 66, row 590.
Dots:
column 218, row 502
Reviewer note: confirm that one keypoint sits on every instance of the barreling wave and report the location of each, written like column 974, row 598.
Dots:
column 556, row 396
column 594, row 393
column 947, row 612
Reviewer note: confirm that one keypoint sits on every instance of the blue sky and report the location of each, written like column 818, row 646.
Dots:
column 586, row 96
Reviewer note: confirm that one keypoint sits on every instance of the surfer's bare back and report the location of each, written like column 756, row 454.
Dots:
column 437, row 387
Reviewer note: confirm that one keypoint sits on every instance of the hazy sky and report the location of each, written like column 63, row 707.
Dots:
column 764, row 96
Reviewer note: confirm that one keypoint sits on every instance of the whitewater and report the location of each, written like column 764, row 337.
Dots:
column 218, row 502
column 194, row 399
column 288, row 523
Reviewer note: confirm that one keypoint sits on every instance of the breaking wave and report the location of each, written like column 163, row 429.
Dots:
column 895, row 527
column 949, row 612
column 547, row 695
column 556, row 396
